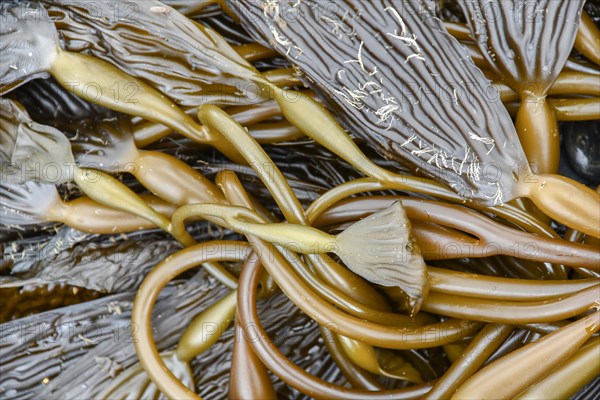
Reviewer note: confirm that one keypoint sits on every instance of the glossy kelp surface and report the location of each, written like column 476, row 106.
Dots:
column 150, row 40
column 399, row 92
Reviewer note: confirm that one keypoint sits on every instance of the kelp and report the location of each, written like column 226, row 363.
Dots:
column 587, row 38
column 522, row 44
column 35, row 203
column 149, row 40
column 391, row 257
column 102, row 266
column 471, row 118
column 76, row 368
column 446, row 137
column 284, row 179
column 25, row 33
column 553, row 349
column 80, row 72
column 48, row 102
column 518, row 43
column 109, row 146
column 44, row 153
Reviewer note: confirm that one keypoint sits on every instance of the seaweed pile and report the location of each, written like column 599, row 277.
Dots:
column 266, row 199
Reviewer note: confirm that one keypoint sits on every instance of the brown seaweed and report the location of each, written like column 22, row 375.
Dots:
column 151, row 41
column 527, row 44
column 402, row 94
column 478, row 123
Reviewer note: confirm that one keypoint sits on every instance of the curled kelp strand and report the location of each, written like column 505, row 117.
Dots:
column 180, row 262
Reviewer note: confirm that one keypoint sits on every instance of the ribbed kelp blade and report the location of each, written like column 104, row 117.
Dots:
column 395, row 77
column 380, row 248
column 28, row 42
column 526, row 42
column 195, row 8
column 150, row 40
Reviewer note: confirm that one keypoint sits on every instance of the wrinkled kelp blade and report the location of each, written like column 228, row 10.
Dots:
column 149, row 40
column 28, row 42
column 48, row 102
column 399, row 80
column 527, row 42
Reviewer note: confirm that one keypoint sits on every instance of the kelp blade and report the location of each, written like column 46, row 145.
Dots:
column 150, row 40
column 28, row 45
column 395, row 77
column 527, row 42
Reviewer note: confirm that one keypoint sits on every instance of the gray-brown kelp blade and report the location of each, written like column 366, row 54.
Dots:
column 106, row 145
column 380, row 249
column 40, row 153
column 26, row 203
column 395, row 77
column 150, row 40
column 28, row 42
column 527, row 42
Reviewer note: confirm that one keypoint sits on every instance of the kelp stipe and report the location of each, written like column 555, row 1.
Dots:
column 513, row 373
column 378, row 248
column 566, row 380
column 474, row 356
column 148, row 40
column 76, row 71
column 212, row 251
column 588, row 37
column 249, row 378
column 35, row 202
column 37, row 147
column 109, row 146
column 379, row 361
